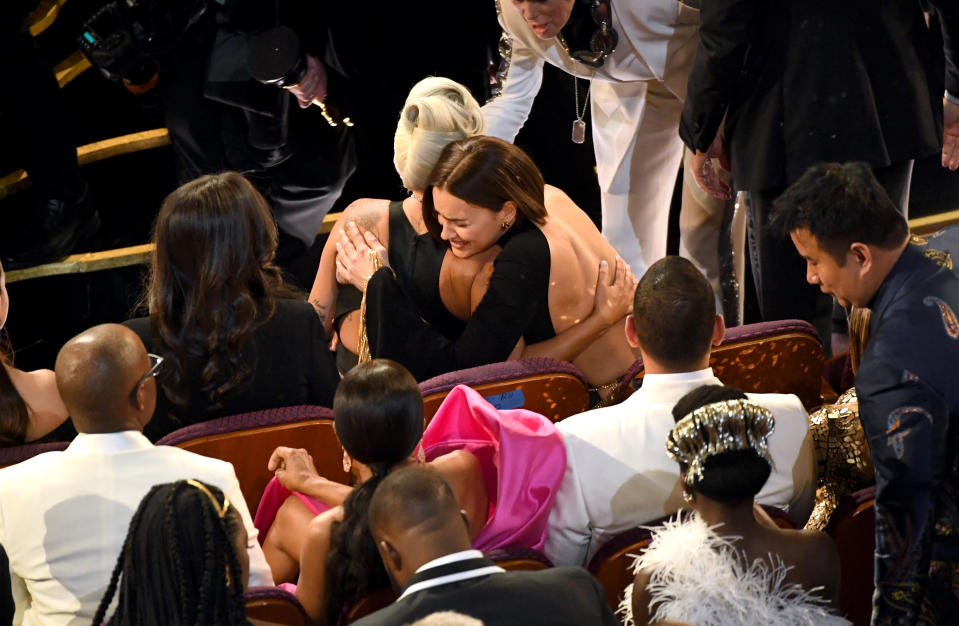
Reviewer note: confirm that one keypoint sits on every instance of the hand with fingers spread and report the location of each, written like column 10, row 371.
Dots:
column 950, row 134
column 312, row 88
column 354, row 256
column 294, row 468
column 614, row 293
column 705, row 172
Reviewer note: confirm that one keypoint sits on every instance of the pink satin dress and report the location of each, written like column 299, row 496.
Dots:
column 521, row 454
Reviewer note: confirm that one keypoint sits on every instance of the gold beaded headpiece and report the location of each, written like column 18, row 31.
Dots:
column 719, row 427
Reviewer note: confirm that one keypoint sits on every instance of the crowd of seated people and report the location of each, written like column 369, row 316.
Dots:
column 481, row 264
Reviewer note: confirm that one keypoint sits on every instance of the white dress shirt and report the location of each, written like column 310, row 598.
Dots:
column 64, row 517
column 619, row 476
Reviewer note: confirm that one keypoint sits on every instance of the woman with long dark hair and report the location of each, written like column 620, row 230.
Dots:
column 30, row 406
column 234, row 336
column 183, row 562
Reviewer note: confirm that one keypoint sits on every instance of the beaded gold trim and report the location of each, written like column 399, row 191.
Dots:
column 719, row 427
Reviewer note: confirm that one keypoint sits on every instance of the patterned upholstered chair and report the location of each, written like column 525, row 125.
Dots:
column 247, row 440
column 15, row 454
column 769, row 357
column 551, row 387
column 612, row 563
column 852, row 527
column 275, row 606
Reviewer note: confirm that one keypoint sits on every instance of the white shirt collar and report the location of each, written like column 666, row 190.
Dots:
column 671, row 387
column 450, row 558
column 450, row 578
column 123, row 441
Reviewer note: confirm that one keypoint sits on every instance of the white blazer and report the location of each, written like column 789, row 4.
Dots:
column 657, row 41
column 619, row 476
column 64, row 516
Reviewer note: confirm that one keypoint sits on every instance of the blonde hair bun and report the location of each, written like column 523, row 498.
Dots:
column 437, row 112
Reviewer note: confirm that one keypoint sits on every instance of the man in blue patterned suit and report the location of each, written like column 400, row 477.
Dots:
column 857, row 248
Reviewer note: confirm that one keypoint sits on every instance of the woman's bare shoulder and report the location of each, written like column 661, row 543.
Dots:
column 368, row 213
column 456, row 464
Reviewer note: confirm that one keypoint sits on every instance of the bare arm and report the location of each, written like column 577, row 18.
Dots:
column 311, row 586
column 640, row 599
column 294, row 469
column 370, row 214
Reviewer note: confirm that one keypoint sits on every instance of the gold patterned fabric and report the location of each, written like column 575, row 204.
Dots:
column 844, row 464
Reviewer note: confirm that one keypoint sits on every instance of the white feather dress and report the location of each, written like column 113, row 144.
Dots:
column 700, row 578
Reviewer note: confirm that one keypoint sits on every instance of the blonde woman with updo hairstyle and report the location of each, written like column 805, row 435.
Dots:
column 443, row 286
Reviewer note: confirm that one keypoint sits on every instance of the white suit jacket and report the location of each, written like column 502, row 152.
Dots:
column 619, row 476
column 64, row 516
column 657, row 41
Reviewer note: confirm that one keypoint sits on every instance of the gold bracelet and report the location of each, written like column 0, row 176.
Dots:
column 363, row 353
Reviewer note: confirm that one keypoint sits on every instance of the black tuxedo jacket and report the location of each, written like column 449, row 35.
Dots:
column 555, row 597
column 805, row 81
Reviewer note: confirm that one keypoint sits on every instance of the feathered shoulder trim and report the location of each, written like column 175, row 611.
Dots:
column 700, row 578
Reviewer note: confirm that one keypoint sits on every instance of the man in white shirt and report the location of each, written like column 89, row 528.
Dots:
column 617, row 473
column 64, row 515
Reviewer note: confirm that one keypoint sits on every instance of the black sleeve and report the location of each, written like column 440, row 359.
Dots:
column 726, row 29
column 949, row 23
column 141, row 326
column 323, row 374
column 517, row 294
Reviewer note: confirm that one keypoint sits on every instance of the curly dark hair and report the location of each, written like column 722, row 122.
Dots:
column 212, row 282
column 179, row 562
column 378, row 412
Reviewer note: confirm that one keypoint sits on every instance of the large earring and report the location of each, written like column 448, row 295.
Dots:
column 347, row 462
column 688, row 497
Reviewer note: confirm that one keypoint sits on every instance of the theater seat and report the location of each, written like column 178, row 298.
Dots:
column 852, row 527
column 612, row 563
column 247, row 440
column 784, row 356
column 550, row 387
column 519, row 559
column 15, row 454
column 275, row 606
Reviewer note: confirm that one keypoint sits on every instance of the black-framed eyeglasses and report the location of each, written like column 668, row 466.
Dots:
column 155, row 362
column 603, row 41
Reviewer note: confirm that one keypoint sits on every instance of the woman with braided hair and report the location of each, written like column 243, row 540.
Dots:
column 728, row 562
column 184, row 561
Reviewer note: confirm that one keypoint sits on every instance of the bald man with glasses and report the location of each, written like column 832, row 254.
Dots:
column 64, row 515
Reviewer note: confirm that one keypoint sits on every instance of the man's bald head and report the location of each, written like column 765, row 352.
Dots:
column 96, row 373
column 414, row 518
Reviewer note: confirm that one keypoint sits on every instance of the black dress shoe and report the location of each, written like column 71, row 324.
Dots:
column 62, row 225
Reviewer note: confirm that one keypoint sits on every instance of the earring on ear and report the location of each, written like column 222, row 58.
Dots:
column 688, row 497
column 505, row 224
column 347, row 462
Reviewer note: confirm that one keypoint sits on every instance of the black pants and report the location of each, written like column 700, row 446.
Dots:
column 35, row 118
column 779, row 272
